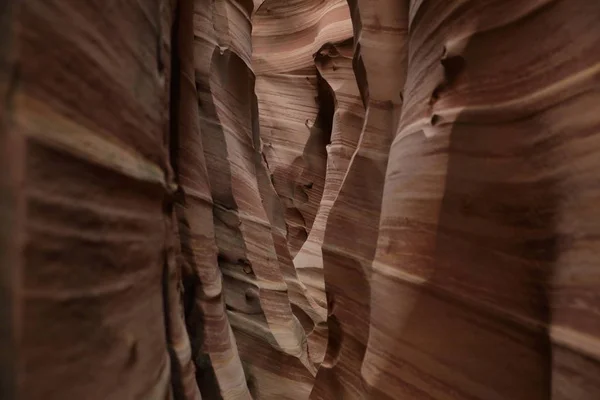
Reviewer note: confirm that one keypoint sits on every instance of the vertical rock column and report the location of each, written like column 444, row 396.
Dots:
column 484, row 284
column 271, row 340
column 334, row 63
column 219, row 368
column 176, row 24
column 352, row 226
column 295, row 113
column 89, row 112
column 12, row 221
column 294, row 129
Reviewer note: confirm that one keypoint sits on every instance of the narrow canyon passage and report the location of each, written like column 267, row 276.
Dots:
column 300, row 199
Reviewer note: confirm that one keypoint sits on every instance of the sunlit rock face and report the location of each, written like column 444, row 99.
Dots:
column 249, row 246
column 295, row 121
column 296, row 109
column 303, row 199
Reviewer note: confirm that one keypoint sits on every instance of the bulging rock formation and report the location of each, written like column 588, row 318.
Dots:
column 484, row 206
column 351, row 234
column 303, row 199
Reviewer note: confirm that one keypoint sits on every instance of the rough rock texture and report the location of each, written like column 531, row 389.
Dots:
column 300, row 199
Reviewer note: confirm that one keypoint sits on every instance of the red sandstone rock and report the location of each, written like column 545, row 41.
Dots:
column 303, row 199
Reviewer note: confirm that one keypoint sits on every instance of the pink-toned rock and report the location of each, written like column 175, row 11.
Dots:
column 334, row 63
column 256, row 291
column 401, row 204
column 214, row 348
column 86, row 118
column 352, row 226
column 485, row 208
column 294, row 125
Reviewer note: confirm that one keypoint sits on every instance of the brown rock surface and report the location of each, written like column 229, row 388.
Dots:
column 351, row 234
column 214, row 348
column 85, row 118
column 294, row 128
column 486, row 208
column 300, row 199
column 256, row 291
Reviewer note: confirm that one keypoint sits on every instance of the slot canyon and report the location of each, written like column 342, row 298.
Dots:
column 300, row 200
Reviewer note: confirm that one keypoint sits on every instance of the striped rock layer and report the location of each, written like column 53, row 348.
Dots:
column 300, row 199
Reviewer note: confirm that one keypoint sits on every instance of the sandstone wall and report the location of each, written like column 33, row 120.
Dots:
column 300, row 199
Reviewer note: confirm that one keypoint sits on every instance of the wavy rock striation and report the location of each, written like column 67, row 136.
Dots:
column 485, row 208
column 219, row 368
column 86, row 119
column 351, row 234
column 249, row 249
column 301, row 199
column 295, row 123
column 295, row 115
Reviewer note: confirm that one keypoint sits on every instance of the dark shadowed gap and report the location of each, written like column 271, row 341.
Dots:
column 314, row 154
column 10, row 215
column 173, row 140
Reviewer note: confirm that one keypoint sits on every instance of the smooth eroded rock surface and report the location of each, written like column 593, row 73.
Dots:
column 300, row 199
